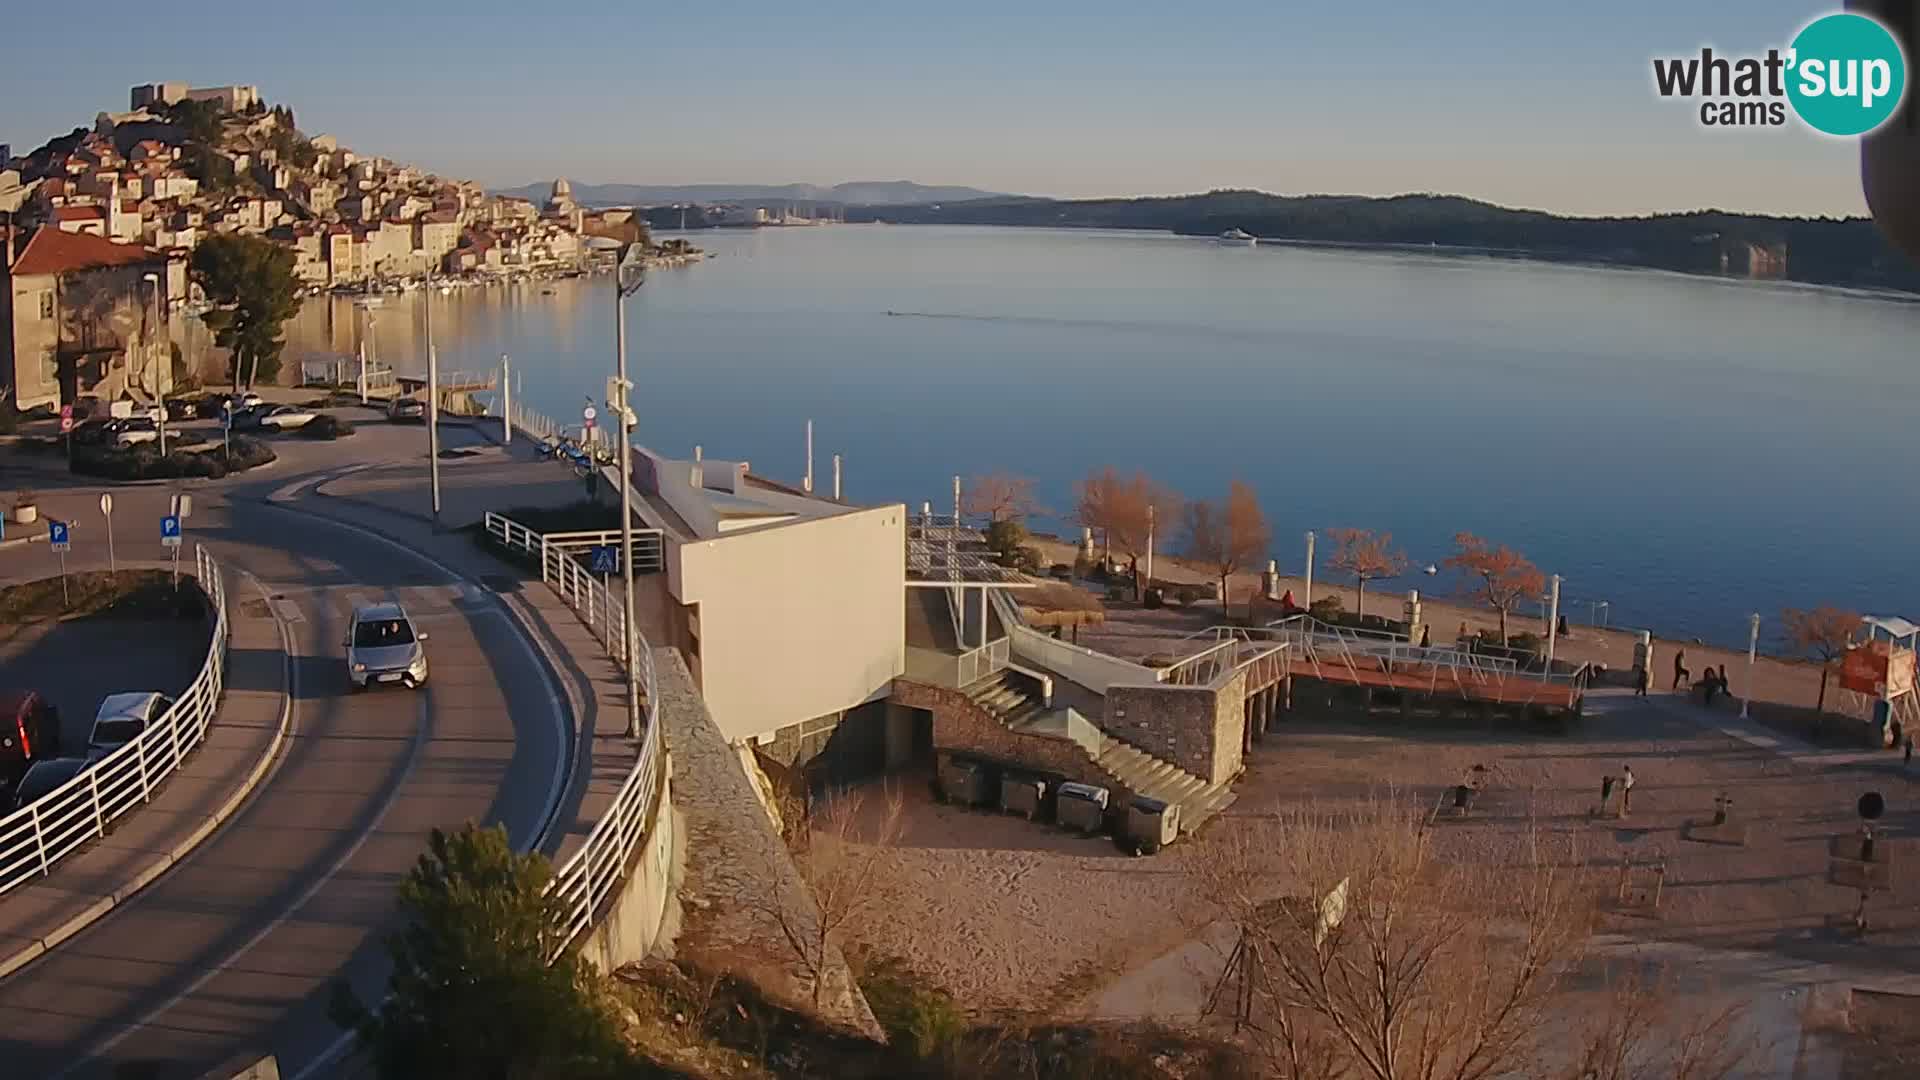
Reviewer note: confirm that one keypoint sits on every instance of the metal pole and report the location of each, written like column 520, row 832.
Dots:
column 1753, row 648
column 836, row 478
column 113, row 562
column 506, row 399
column 620, row 293
column 65, row 600
column 1309, row 590
column 1553, row 622
column 1149, row 545
column 433, row 410
column 807, row 484
column 363, row 371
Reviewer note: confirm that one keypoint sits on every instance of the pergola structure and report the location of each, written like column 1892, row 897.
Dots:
column 943, row 553
column 1881, row 670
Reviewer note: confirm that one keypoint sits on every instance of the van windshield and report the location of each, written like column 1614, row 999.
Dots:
column 120, row 730
column 380, row 633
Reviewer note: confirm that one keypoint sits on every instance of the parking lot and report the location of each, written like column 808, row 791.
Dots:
column 77, row 662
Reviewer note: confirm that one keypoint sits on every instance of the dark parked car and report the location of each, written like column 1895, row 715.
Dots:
column 45, row 776
column 29, row 732
column 93, row 432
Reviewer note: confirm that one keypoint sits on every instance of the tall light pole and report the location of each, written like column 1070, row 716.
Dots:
column 629, row 274
column 1309, row 596
column 1753, row 648
column 150, row 378
column 1553, row 621
column 433, row 410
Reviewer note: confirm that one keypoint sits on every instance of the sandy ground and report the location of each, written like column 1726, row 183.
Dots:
column 1007, row 914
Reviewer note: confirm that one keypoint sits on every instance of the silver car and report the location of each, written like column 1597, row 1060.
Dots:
column 383, row 647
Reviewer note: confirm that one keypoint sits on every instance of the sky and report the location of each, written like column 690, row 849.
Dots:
column 1540, row 104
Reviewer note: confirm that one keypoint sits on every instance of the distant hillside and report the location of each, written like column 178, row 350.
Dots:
column 866, row 192
column 1829, row 251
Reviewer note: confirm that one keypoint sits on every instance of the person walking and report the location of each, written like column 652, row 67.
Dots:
column 1641, row 679
column 1680, row 672
column 1626, row 791
column 1906, row 761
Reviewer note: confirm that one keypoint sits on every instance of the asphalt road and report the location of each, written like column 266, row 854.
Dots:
column 234, row 950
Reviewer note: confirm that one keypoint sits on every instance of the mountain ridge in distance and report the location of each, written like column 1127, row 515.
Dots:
column 852, row 193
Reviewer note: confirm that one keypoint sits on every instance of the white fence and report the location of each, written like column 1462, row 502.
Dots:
column 36, row 837
column 589, row 878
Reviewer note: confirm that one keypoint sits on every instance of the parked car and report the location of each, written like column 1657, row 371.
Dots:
column 384, row 647
column 121, row 718
column 95, row 432
column 45, row 776
column 240, row 402
column 284, row 417
column 134, row 431
column 182, row 408
column 29, row 732
column 406, row 408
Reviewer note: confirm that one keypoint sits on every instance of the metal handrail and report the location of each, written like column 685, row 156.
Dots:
column 39, row 835
column 588, row 879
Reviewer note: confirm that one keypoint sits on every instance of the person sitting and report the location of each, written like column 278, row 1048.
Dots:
column 1709, row 685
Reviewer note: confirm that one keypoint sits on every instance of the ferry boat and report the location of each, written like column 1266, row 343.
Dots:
column 1239, row 238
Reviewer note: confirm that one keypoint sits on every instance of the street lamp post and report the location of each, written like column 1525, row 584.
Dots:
column 628, row 275
column 150, row 378
column 1309, row 590
column 1753, row 647
column 433, row 410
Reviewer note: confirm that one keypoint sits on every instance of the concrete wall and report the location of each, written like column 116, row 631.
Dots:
column 1094, row 670
column 962, row 726
column 1198, row 728
column 643, row 909
column 798, row 621
column 31, row 341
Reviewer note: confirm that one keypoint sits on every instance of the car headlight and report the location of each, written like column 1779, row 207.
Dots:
column 359, row 667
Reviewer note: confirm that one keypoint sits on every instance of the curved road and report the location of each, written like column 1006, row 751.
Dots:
column 233, row 951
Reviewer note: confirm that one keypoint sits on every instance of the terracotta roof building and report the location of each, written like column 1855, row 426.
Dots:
column 82, row 315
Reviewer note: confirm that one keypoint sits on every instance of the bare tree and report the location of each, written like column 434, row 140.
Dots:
column 1141, row 512
column 1388, row 962
column 999, row 496
column 1500, row 576
column 1367, row 556
column 1822, row 634
column 1094, row 504
column 840, row 845
column 1228, row 535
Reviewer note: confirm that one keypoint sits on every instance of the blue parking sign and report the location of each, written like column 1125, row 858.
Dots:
column 57, row 533
column 170, row 531
column 606, row 559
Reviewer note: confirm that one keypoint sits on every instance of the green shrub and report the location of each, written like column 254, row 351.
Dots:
column 1005, row 539
column 1153, row 598
column 918, row 1019
column 1190, row 595
column 145, row 462
column 1328, row 609
column 1029, row 560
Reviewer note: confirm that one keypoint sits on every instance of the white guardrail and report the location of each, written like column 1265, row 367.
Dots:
column 588, row 878
column 39, row 835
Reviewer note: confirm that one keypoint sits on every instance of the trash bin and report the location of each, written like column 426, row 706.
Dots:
column 1082, row 807
column 1152, row 824
column 966, row 782
column 1023, row 795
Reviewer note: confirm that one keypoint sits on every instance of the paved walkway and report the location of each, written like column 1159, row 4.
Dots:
column 200, row 795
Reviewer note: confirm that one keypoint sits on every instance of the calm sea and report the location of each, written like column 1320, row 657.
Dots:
column 1687, row 450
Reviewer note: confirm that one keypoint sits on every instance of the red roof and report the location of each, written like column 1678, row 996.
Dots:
column 79, row 213
column 52, row 251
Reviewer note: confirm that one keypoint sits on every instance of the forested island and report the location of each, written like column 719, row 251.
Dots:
column 1828, row 251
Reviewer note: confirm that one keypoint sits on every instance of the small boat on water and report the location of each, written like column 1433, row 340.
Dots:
column 1238, row 238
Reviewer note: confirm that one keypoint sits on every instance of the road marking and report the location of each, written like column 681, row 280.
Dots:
column 288, row 610
column 556, row 708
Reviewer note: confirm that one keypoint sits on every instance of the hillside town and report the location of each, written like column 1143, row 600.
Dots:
column 97, row 227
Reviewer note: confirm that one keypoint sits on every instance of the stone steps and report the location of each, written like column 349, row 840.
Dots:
column 1128, row 766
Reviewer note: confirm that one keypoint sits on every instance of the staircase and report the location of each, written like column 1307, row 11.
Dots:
column 1011, row 704
column 1139, row 772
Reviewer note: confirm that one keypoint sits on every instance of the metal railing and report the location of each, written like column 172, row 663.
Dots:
column 981, row 661
column 649, row 549
column 37, row 836
column 588, row 879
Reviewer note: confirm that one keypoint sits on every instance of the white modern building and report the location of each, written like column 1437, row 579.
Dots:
column 789, row 605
